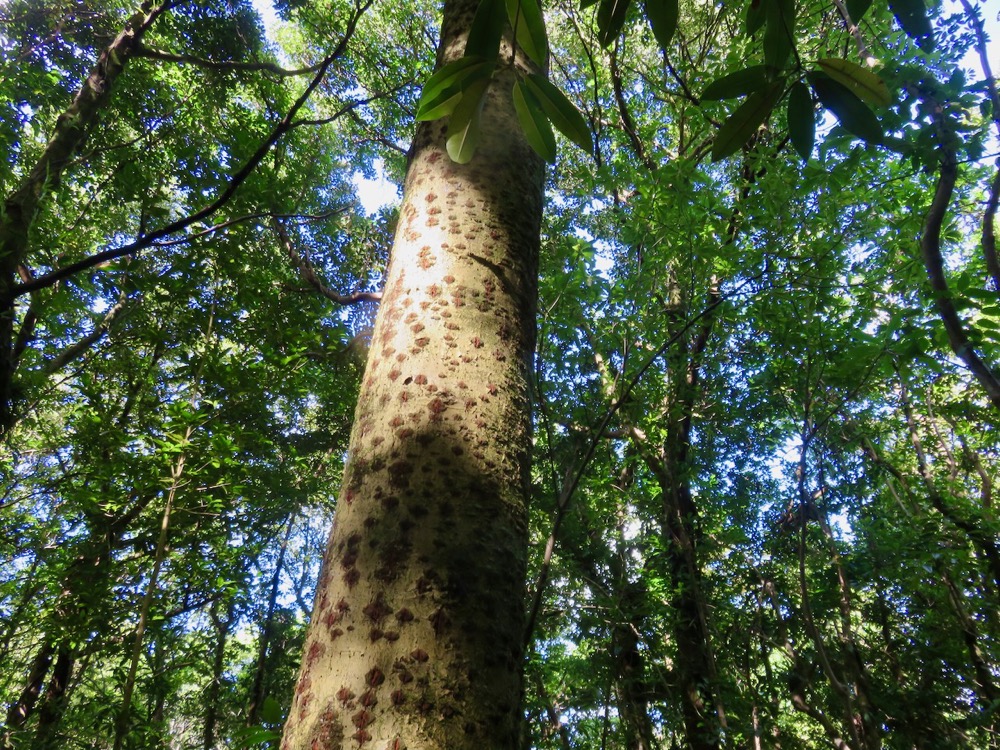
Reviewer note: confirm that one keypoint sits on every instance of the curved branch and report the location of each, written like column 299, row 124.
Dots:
column 308, row 273
column 151, row 53
column 286, row 124
column 930, row 248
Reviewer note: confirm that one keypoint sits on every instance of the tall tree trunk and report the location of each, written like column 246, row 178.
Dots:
column 416, row 634
column 54, row 703
column 19, row 711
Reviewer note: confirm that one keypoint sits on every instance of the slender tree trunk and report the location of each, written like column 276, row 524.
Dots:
column 257, row 691
column 214, row 690
column 54, row 703
column 19, row 711
column 416, row 634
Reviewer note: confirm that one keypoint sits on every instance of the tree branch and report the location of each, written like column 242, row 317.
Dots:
column 151, row 53
column 286, row 124
column 308, row 273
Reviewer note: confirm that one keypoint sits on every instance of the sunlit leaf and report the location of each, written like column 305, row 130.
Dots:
column 464, row 127
column 862, row 82
column 561, row 113
column 529, row 29
column 534, row 123
column 737, row 84
column 439, row 95
column 853, row 113
column 486, row 30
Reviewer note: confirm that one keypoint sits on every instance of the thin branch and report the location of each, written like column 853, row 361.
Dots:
column 235, row 181
column 151, row 53
column 854, row 31
column 77, row 349
column 304, row 218
column 308, row 273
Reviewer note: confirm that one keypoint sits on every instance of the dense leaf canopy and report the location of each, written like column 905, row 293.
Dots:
column 766, row 387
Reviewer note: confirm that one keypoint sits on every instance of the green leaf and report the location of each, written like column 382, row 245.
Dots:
column 464, row 126
column 755, row 17
column 853, row 113
column 801, row 120
column 662, row 16
column 529, row 29
column 912, row 18
column 270, row 711
column 856, row 9
column 744, row 122
column 533, row 121
column 779, row 35
column 737, row 84
column 611, row 16
column 486, row 30
column 862, row 82
column 443, row 89
column 561, row 112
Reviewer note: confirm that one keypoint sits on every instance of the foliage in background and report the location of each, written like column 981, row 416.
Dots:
column 766, row 408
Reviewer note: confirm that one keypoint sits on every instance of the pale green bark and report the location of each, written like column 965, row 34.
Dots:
column 416, row 634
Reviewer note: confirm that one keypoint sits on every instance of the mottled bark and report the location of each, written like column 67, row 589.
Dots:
column 416, row 634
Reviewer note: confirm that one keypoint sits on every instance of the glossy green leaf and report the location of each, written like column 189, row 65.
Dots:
column 755, row 17
column 464, row 127
column 561, row 113
column 912, row 18
column 856, row 9
column 486, row 30
column 868, row 86
column 853, row 113
column 534, row 123
column 662, row 17
column 529, row 29
column 743, row 123
column 737, row 84
column 447, row 83
column 779, row 34
column 801, row 120
column 611, row 15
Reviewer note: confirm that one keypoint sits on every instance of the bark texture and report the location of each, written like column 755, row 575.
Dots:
column 416, row 634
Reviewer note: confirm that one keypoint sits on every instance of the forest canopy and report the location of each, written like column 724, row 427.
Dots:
column 762, row 376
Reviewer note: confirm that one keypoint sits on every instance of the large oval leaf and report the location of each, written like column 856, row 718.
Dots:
column 779, row 34
column 611, row 16
column 464, row 126
column 912, row 18
column 737, row 84
column 534, row 123
column 662, row 17
column 448, row 82
column 486, row 30
column 801, row 119
column 853, row 113
column 529, row 29
column 561, row 112
column 744, row 122
column 856, row 9
column 862, row 82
